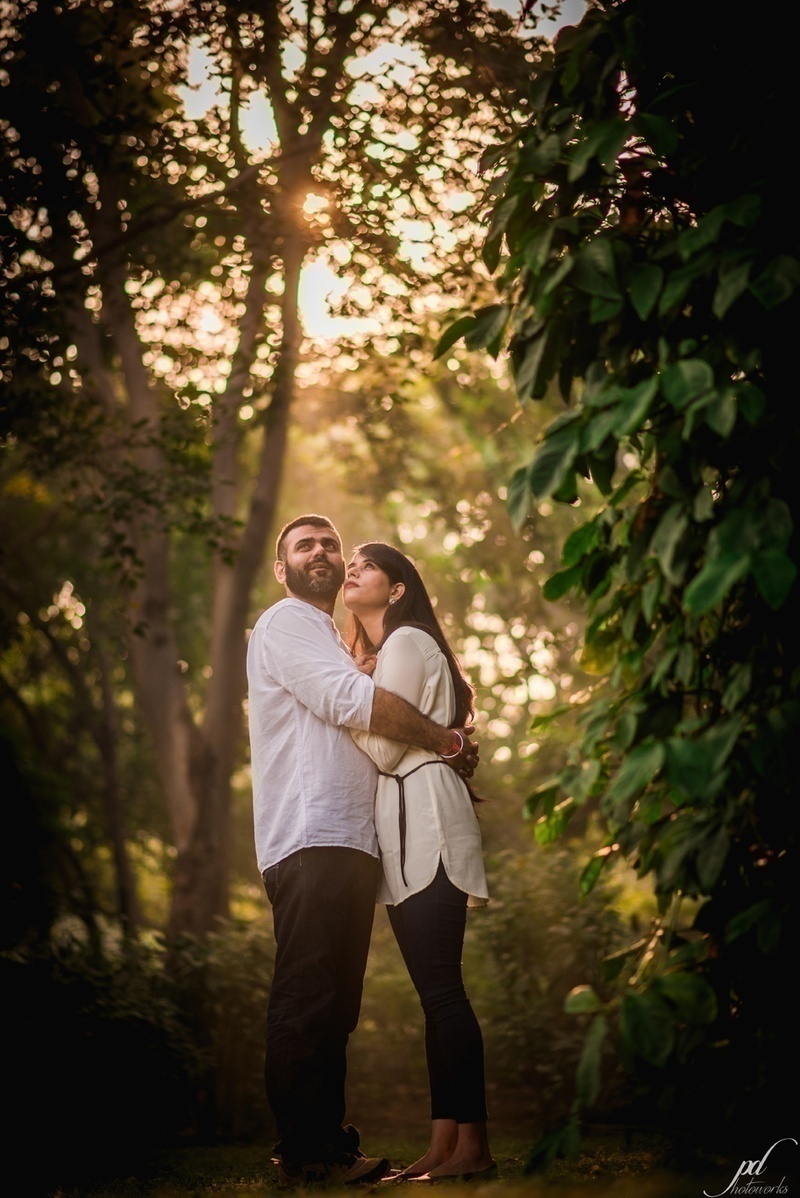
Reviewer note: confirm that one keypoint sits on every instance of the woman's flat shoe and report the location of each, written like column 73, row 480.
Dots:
column 487, row 1174
column 398, row 1175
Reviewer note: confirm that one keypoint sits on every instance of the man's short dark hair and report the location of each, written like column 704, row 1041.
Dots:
column 315, row 520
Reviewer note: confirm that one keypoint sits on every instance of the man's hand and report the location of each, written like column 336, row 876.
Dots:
column 394, row 717
column 366, row 662
column 467, row 761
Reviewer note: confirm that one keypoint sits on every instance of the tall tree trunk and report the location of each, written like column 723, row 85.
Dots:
column 153, row 642
column 200, row 893
column 107, row 740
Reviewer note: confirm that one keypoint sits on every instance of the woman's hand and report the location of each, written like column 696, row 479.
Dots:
column 366, row 662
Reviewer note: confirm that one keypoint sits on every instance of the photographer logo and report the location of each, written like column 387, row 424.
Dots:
column 744, row 1179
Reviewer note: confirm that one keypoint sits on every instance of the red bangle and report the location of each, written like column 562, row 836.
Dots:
column 458, row 746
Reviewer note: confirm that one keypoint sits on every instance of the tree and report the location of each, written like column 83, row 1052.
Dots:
column 647, row 271
column 153, row 353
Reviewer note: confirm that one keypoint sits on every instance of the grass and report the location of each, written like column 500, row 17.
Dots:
column 607, row 1167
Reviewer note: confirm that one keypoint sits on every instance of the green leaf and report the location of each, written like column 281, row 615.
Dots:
column 750, row 401
column 659, row 131
column 595, row 432
column 541, row 157
column 673, row 292
column 777, row 524
column 687, row 380
column 692, row 997
column 540, row 89
column 627, row 485
column 489, row 324
column 664, row 665
column 720, row 414
column 602, row 310
column 555, row 1145
column 549, row 827
column 594, row 271
column 556, row 275
column 604, row 142
column 553, row 459
column 739, row 682
column 578, row 780
column 634, row 405
column 518, row 499
column 651, row 592
column 740, row 925
column 686, row 664
column 581, row 1000
column 777, row 282
column 543, row 798
column 588, row 1076
column 775, row 574
column 537, row 247
column 602, row 466
column 710, row 586
column 703, row 505
column 666, row 541
column 592, row 871
column 743, row 211
column 544, row 721
column 639, row 767
column 648, row 1027
column 688, row 765
column 580, row 541
column 567, row 492
column 492, row 249
column 644, row 288
column 711, row 857
column 678, row 842
column 452, row 334
column 526, row 369
column 720, row 740
column 502, row 214
column 704, row 233
column 733, row 282
column 562, row 581
column 742, row 531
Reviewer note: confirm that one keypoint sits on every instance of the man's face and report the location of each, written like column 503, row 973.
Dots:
column 313, row 568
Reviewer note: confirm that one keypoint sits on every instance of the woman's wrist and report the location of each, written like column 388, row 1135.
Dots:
column 456, row 745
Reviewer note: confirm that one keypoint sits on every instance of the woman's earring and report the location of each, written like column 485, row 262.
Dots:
column 392, row 600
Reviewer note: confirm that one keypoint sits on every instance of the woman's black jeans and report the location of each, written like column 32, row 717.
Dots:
column 323, row 904
column 429, row 928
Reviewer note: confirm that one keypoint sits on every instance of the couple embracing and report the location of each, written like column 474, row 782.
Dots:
column 361, row 756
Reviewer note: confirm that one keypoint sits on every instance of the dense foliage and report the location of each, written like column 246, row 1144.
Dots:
column 648, row 271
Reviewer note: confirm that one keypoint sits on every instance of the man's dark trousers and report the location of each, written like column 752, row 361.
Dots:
column 323, row 903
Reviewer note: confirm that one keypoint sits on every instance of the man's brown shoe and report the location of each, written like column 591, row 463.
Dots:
column 348, row 1169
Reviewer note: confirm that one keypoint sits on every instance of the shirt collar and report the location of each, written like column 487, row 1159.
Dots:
column 315, row 611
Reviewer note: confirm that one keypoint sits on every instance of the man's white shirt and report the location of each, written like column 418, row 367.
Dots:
column 311, row 786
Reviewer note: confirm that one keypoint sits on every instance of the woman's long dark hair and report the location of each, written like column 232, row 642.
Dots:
column 413, row 608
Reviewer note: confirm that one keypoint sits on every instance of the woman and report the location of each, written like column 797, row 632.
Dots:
column 430, row 845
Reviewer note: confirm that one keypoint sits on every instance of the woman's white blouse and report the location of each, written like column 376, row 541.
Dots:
column 440, row 818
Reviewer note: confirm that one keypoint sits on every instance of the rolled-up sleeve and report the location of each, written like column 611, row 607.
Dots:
column 300, row 655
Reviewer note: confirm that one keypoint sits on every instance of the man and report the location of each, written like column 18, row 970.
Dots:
column 313, row 796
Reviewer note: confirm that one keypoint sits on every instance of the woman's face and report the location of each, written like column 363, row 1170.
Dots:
column 367, row 589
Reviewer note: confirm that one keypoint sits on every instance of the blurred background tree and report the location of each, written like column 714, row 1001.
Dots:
column 154, row 357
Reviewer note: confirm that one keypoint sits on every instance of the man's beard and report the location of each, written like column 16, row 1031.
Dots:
column 308, row 585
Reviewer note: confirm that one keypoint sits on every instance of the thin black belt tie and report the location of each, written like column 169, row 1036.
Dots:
column 401, row 814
